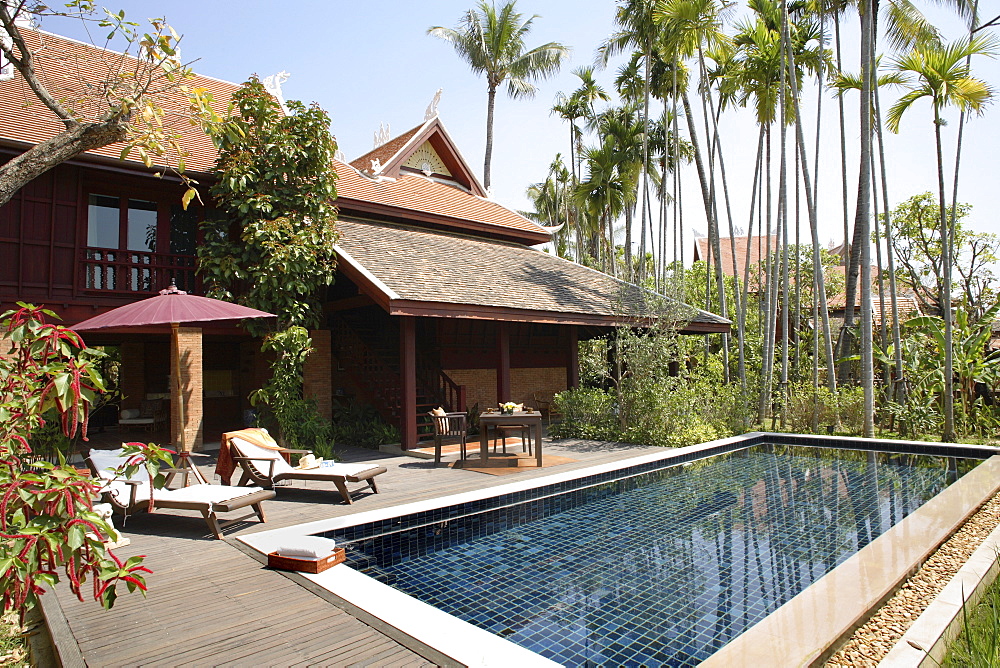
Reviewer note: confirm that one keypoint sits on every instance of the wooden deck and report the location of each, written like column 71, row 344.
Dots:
column 209, row 603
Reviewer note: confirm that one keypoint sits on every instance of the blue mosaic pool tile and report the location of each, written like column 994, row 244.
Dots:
column 650, row 566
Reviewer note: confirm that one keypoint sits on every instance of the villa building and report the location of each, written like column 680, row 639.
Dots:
column 441, row 296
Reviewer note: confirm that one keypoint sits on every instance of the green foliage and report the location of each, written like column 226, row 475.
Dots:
column 923, row 351
column 916, row 236
column 298, row 418
column 273, row 250
column 978, row 644
column 361, row 425
column 587, row 413
column 47, row 518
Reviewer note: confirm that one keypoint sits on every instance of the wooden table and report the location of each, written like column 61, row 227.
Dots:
column 487, row 420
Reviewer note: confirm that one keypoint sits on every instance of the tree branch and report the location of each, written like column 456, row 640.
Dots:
column 83, row 137
column 26, row 66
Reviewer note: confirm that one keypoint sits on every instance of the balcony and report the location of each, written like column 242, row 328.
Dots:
column 116, row 271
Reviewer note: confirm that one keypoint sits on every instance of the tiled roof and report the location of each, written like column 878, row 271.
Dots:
column 68, row 68
column 413, row 265
column 384, row 152
column 742, row 245
column 418, row 193
column 907, row 305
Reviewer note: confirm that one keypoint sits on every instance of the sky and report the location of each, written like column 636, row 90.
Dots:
column 370, row 63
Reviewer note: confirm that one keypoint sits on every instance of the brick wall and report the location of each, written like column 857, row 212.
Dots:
column 544, row 382
column 481, row 384
column 133, row 374
column 189, row 349
column 317, row 374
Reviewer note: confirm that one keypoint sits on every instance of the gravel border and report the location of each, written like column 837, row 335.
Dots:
column 872, row 641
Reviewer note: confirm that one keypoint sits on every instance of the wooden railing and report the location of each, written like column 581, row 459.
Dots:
column 114, row 270
column 447, row 392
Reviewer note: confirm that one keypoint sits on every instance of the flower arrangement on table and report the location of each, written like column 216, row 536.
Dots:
column 508, row 408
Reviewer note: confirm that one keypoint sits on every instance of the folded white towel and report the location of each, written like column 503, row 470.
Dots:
column 307, row 547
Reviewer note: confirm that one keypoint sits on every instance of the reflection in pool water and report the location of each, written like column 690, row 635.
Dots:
column 662, row 568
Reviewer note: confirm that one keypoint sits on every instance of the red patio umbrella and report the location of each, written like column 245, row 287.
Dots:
column 173, row 307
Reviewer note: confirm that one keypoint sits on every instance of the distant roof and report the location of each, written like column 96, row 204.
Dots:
column 411, row 271
column 757, row 247
column 67, row 68
column 908, row 306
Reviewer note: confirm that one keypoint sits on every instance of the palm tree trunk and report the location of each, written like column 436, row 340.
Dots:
column 944, row 298
column 783, row 208
column 814, row 231
column 862, row 223
column 896, row 392
column 490, row 104
column 708, row 112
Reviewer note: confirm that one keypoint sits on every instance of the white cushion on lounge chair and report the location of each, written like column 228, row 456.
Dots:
column 248, row 449
column 343, row 469
column 107, row 461
column 203, row 493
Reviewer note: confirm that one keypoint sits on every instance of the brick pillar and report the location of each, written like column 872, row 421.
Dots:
column 317, row 374
column 133, row 374
column 186, row 351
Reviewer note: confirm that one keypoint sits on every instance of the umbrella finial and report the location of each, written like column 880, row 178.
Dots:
column 172, row 290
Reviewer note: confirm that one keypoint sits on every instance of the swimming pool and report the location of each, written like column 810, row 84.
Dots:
column 661, row 562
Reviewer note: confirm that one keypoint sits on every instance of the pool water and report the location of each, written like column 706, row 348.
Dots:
column 662, row 568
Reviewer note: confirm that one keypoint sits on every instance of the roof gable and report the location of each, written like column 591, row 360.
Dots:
column 390, row 158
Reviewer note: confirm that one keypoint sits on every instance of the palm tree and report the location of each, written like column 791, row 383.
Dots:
column 942, row 73
column 492, row 42
column 638, row 30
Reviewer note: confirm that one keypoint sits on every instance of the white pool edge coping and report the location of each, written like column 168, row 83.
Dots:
column 446, row 634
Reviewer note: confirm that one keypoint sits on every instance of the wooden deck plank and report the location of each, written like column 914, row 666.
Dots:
column 209, row 603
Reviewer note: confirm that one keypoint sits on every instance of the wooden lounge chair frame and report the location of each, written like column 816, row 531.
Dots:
column 265, row 476
column 208, row 510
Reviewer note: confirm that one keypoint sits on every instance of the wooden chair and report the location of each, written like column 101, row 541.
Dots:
column 503, row 432
column 449, row 425
column 267, row 467
column 133, row 494
column 546, row 406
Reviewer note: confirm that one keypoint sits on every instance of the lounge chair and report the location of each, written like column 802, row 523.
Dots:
column 132, row 494
column 266, row 467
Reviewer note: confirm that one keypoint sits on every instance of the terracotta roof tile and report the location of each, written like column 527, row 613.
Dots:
column 438, row 267
column 70, row 66
column 68, row 69
column 412, row 191
column 384, row 152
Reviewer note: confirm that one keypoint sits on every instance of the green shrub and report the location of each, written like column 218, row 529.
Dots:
column 851, row 409
column 587, row 413
column 361, row 425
